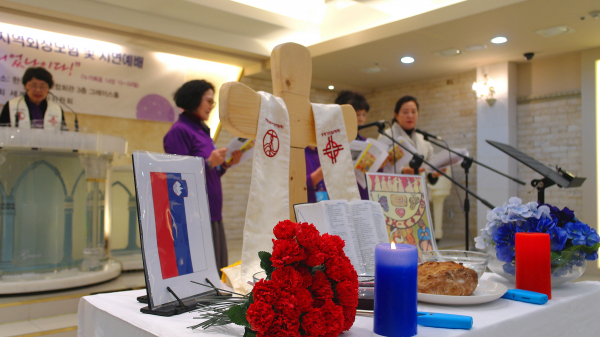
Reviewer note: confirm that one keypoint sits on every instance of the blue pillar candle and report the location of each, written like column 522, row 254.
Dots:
column 395, row 312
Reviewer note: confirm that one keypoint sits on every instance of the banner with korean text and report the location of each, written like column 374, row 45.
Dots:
column 102, row 78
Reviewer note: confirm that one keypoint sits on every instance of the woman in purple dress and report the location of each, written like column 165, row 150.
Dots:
column 190, row 136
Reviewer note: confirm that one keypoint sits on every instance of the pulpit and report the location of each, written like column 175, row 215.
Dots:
column 52, row 213
column 125, row 244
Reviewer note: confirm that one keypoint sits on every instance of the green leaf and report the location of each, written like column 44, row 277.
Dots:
column 554, row 256
column 237, row 314
column 583, row 248
column 265, row 263
column 249, row 333
column 314, row 269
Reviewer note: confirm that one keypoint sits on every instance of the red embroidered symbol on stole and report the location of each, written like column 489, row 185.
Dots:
column 271, row 143
column 21, row 115
column 53, row 121
column 332, row 150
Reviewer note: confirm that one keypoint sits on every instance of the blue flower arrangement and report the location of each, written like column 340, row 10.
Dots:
column 568, row 236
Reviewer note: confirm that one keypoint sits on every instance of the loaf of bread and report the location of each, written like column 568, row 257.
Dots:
column 446, row 278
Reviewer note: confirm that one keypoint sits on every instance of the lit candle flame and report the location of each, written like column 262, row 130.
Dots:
column 393, row 245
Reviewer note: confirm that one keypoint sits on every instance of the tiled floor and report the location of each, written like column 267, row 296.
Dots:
column 46, row 324
column 54, row 314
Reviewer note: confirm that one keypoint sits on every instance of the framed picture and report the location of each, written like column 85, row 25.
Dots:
column 405, row 205
column 175, row 229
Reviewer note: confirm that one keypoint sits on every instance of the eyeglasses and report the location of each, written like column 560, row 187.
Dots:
column 38, row 87
column 211, row 102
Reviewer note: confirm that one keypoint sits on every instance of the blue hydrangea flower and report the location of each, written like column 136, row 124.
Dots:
column 566, row 215
column 558, row 238
column 592, row 257
column 495, row 214
column 509, row 268
column 504, row 237
column 481, row 242
column 577, row 232
column 592, row 238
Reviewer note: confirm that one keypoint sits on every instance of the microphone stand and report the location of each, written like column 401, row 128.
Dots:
column 416, row 162
column 466, row 165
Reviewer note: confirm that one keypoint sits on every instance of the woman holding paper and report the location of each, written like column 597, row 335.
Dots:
column 315, row 185
column 406, row 115
column 190, row 136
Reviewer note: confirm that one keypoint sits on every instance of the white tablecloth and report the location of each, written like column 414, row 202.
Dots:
column 574, row 310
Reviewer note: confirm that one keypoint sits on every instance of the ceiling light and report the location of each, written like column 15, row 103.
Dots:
column 331, row 87
column 559, row 30
column 448, row 52
column 499, row 40
column 407, row 60
column 341, row 4
column 476, row 47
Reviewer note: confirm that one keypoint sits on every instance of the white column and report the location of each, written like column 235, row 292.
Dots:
column 497, row 123
column 590, row 109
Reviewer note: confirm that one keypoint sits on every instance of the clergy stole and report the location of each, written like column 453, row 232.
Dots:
column 334, row 152
column 268, row 201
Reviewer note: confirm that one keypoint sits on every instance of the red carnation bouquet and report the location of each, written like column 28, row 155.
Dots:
column 311, row 288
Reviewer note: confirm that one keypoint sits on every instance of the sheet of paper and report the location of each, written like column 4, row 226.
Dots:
column 370, row 158
column 242, row 144
column 402, row 156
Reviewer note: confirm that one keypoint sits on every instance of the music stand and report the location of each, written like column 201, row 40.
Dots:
column 559, row 177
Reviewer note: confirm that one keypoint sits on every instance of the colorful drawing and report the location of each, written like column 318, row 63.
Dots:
column 403, row 199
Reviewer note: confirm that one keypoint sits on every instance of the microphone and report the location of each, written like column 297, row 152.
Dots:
column 76, row 121
column 380, row 124
column 428, row 135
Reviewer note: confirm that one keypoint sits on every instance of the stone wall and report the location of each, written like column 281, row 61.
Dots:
column 549, row 130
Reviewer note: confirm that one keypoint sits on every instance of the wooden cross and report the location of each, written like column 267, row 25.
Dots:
column 291, row 71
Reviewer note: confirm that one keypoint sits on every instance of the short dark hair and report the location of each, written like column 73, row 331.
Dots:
column 403, row 100
column 357, row 100
column 39, row 73
column 189, row 95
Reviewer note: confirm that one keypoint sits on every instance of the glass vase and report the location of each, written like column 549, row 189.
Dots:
column 568, row 267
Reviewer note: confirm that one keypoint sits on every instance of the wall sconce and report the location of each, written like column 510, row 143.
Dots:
column 485, row 89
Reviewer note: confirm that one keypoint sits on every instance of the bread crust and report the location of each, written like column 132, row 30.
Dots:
column 446, row 278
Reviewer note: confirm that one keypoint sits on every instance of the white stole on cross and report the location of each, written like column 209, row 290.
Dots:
column 268, row 201
column 334, row 152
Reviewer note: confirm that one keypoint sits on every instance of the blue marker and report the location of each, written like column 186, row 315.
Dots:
column 526, row 296
column 447, row 321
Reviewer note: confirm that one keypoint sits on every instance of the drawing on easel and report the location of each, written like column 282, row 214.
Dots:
column 405, row 205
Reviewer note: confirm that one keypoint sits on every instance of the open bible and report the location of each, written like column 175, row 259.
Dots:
column 359, row 223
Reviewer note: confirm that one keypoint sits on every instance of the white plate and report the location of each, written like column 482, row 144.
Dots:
column 486, row 291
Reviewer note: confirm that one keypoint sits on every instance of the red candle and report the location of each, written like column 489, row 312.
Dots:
column 532, row 262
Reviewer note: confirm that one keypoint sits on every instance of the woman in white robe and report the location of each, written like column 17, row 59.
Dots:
column 406, row 116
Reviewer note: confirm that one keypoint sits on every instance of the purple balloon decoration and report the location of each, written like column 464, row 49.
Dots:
column 154, row 107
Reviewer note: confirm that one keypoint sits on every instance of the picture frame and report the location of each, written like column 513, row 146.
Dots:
column 175, row 228
column 405, row 202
